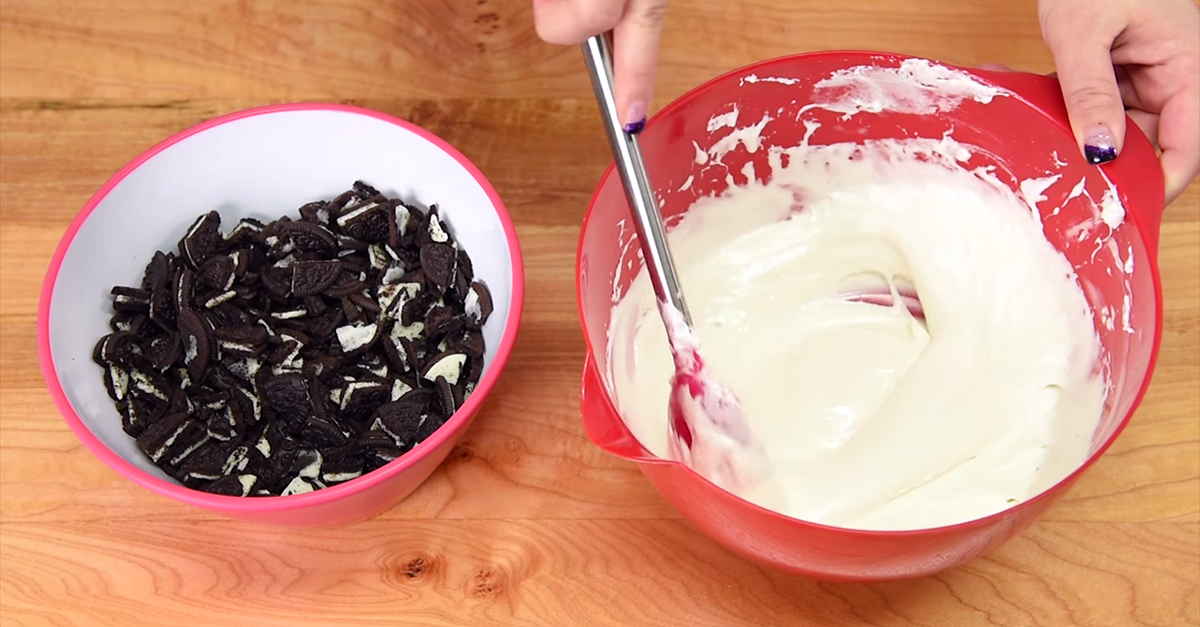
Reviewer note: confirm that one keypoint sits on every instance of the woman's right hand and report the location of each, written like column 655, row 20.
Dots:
column 636, row 26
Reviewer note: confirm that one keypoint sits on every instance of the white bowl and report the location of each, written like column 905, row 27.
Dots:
column 261, row 163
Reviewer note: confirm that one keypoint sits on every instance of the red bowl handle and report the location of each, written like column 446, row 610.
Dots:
column 601, row 422
column 1136, row 172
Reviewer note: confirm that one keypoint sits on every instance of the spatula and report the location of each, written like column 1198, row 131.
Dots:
column 707, row 429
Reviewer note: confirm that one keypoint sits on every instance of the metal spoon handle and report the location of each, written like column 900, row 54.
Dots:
column 597, row 52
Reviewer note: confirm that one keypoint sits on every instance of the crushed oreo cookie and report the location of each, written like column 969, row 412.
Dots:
column 281, row 358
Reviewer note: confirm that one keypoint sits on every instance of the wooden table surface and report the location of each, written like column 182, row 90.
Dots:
column 527, row 523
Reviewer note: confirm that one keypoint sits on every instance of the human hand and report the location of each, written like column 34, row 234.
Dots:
column 1135, row 57
column 636, row 25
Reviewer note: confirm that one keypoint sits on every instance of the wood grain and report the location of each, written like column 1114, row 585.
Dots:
column 549, row 573
column 527, row 523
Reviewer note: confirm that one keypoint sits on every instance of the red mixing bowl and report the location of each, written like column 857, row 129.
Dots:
column 1027, row 136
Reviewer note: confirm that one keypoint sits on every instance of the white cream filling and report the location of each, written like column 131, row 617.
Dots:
column 297, row 486
column 247, row 482
column 436, row 232
column 471, row 305
column 400, row 388
column 450, row 367
column 402, row 216
column 355, row 336
column 346, row 219
column 871, row 418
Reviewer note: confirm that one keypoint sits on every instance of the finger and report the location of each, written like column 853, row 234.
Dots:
column 569, row 22
column 1089, row 85
column 1178, row 128
column 1129, row 95
column 635, row 63
column 1146, row 121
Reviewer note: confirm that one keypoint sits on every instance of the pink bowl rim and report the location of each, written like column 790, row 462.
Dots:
column 1046, row 496
column 323, row 496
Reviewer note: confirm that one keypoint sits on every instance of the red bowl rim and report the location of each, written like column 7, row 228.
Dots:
column 1049, row 493
column 323, row 496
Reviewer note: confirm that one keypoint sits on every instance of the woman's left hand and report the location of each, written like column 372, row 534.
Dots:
column 1135, row 57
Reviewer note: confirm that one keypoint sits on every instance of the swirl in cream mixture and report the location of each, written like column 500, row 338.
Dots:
column 872, row 417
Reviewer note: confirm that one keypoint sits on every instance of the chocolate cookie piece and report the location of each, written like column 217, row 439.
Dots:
column 122, row 321
column 415, row 309
column 396, row 355
column 116, row 381
column 248, row 334
column 131, row 299
column 232, row 485
column 249, row 357
column 217, row 273
column 286, row 396
column 429, row 427
column 158, row 437
column 342, row 469
column 246, row 230
column 245, row 407
column 470, row 342
column 364, row 190
column 138, row 413
column 120, row 348
column 162, row 308
column 187, row 440
column 208, row 463
column 321, row 368
column 400, row 429
column 364, row 303
column 380, row 457
column 439, row 262
column 149, row 384
column 434, row 230
column 474, row 372
column 478, row 305
column 367, row 222
column 159, row 272
column 316, row 212
column 311, row 238
column 307, row 464
column 185, row 289
column 323, row 433
column 221, row 426
column 310, row 278
column 464, row 272
column 437, row 319
column 447, row 404
column 197, row 345
column 163, row 351
column 277, row 281
column 203, row 239
column 361, row 397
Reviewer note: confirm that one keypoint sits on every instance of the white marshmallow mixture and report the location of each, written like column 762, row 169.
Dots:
column 870, row 417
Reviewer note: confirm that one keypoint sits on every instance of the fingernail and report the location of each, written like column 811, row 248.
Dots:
column 636, row 117
column 1099, row 146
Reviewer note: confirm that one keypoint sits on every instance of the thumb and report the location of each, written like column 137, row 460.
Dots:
column 1089, row 85
column 569, row 22
column 635, row 62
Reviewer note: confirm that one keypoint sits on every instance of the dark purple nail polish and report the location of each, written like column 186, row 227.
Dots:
column 636, row 113
column 1099, row 154
column 1099, row 146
